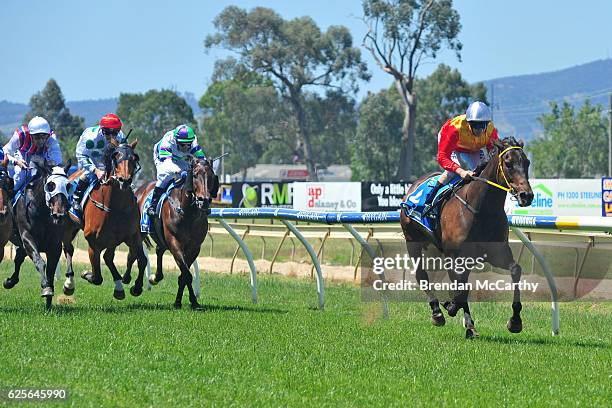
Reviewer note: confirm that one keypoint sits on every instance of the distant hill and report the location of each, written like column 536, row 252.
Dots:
column 520, row 100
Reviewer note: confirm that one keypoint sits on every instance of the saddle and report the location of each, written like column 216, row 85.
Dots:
column 145, row 221
column 415, row 203
column 79, row 216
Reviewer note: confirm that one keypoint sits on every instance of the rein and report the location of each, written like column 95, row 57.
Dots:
column 507, row 189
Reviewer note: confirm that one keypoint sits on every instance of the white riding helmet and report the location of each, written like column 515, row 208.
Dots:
column 38, row 125
column 478, row 112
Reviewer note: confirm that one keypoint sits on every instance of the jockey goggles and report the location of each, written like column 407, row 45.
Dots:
column 478, row 126
column 110, row 131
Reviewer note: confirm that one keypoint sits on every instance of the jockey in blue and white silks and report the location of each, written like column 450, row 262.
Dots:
column 170, row 156
column 90, row 152
column 36, row 139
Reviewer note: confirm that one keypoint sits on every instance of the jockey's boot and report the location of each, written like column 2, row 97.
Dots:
column 77, row 196
column 157, row 192
column 430, row 198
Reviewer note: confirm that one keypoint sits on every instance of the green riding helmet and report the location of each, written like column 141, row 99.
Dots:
column 184, row 134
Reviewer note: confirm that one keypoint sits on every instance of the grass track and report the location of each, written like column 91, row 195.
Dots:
column 141, row 352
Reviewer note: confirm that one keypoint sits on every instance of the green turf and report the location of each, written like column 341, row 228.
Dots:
column 284, row 352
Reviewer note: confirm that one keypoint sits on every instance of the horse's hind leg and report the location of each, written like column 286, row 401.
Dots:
column 11, row 281
column 468, row 322
column 159, row 274
column 95, row 276
column 137, row 252
column 53, row 257
column 127, row 276
column 515, row 324
column 415, row 250
column 109, row 260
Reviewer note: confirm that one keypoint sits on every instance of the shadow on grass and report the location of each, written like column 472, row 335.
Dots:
column 59, row 310
column 555, row 341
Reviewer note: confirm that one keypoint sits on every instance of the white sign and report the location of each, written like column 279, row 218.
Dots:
column 327, row 196
column 561, row 197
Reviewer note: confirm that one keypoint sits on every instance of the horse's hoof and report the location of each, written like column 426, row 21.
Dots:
column 471, row 334
column 437, row 319
column 136, row 291
column 48, row 302
column 68, row 291
column 119, row 294
column 46, row 292
column 127, row 278
column 451, row 308
column 88, row 276
column 153, row 279
column 9, row 283
column 177, row 305
column 196, row 306
column 515, row 326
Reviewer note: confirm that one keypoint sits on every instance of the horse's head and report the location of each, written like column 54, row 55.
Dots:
column 513, row 169
column 56, row 189
column 199, row 182
column 124, row 164
column 5, row 186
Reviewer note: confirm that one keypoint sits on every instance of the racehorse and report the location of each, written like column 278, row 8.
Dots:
column 40, row 219
column 6, row 214
column 110, row 218
column 182, row 225
column 474, row 214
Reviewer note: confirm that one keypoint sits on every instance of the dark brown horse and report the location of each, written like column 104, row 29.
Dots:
column 6, row 213
column 184, row 225
column 475, row 214
column 110, row 218
column 40, row 217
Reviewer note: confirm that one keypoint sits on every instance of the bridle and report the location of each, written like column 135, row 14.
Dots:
column 500, row 170
column 126, row 153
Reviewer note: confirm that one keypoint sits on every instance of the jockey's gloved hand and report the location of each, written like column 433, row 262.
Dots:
column 183, row 174
column 464, row 174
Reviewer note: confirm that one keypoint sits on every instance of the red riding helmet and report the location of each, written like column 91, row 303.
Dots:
column 110, row 120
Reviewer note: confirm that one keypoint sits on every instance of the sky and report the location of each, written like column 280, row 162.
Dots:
column 97, row 49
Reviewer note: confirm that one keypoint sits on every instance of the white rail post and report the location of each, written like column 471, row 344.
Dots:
column 315, row 261
column 549, row 277
column 196, row 281
column 148, row 273
column 368, row 248
column 247, row 254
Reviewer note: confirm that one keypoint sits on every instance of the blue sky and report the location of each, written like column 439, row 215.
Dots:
column 97, row 49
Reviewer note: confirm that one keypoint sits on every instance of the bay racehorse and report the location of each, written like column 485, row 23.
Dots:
column 182, row 225
column 40, row 217
column 6, row 213
column 473, row 215
column 110, row 219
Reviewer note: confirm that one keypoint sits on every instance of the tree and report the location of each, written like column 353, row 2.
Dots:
column 377, row 140
column 571, row 144
column 151, row 115
column 442, row 95
column 402, row 34
column 293, row 54
column 50, row 104
column 240, row 110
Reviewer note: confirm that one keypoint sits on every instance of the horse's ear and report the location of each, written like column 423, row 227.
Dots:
column 497, row 143
column 521, row 143
column 67, row 166
column 133, row 144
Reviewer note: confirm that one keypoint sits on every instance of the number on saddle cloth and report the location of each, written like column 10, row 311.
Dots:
column 145, row 222
column 415, row 202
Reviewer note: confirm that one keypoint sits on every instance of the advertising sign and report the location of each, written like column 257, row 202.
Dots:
column 606, row 196
column 262, row 194
column 561, row 197
column 382, row 196
column 327, row 196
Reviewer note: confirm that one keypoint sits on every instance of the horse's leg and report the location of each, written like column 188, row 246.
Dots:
column 137, row 252
column 127, row 276
column 159, row 274
column 192, row 297
column 95, row 276
column 32, row 251
column 468, row 322
column 109, row 257
column 53, row 257
column 11, row 281
column 415, row 250
column 69, row 282
column 515, row 324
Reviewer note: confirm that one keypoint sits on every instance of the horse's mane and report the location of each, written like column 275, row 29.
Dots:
column 511, row 141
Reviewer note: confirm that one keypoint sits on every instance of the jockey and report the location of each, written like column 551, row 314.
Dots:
column 36, row 139
column 459, row 145
column 90, row 151
column 170, row 156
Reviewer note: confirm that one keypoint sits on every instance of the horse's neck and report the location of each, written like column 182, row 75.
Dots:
column 481, row 195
